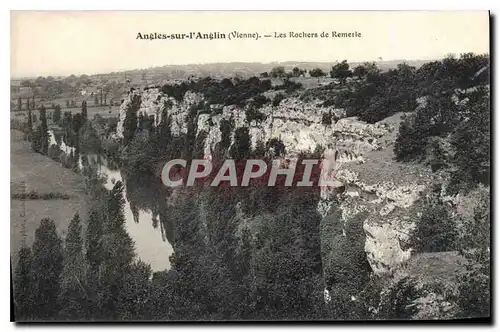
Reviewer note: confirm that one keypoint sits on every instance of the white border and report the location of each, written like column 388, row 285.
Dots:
column 190, row 5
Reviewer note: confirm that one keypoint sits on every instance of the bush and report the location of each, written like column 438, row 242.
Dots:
column 252, row 113
column 277, row 99
column 223, row 92
column 327, row 119
column 410, row 144
column 397, row 302
column 435, row 230
column 33, row 195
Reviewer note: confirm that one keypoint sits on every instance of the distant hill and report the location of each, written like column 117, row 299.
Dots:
column 248, row 68
column 229, row 68
column 118, row 83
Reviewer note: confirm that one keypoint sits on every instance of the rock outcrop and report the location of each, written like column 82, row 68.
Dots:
column 373, row 181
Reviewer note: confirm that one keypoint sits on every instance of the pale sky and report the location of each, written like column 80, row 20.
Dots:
column 90, row 42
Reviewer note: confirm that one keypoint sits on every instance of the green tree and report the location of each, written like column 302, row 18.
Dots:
column 397, row 302
column 474, row 288
column 30, row 124
column 287, row 272
column 360, row 72
column 47, row 267
column 118, row 254
column 346, row 269
column 317, row 72
column 277, row 99
column 130, row 122
column 242, row 145
column 341, row 71
column 93, row 240
column 73, row 294
column 57, row 114
column 44, row 132
column 277, row 145
column 297, row 72
column 134, row 301
column 84, row 110
column 435, row 229
column 94, row 256
column 277, row 72
column 471, row 140
column 410, row 143
column 23, row 285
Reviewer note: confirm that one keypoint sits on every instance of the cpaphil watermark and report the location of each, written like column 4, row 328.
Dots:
column 22, row 186
column 277, row 172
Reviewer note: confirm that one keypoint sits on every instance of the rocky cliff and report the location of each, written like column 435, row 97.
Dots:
column 365, row 164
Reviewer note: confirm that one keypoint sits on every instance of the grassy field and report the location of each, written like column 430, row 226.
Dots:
column 43, row 175
column 105, row 112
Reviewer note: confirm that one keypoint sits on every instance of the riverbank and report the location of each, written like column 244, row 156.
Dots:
column 33, row 172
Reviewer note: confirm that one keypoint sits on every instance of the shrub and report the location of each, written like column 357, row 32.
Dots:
column 435, row 229
column 397, row 302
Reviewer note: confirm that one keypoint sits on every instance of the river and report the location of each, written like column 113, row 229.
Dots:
column 150, row 235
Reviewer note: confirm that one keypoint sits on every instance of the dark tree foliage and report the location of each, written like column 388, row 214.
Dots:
column 277, row 145
column 223, row 92
column 345, row 266
column 141, row 121
column 341, row 71
column 30, row 125
column 242, row 144
column 259, row 101
column 117, row 255
column 84, row 110
column 44, row 132
column 327, row 119
column 287, row 270
column 277, row 72
column 226, row 128
column 277, row 99
column 360, row 72
column 297, row 72
column 410, row 143
column 398, row 301
column 435, row 229
column 94, row 255
column 317, row 72
column 463, row 121
column 475, row 287
column 73, row 296
column 47, row 268
column 199, row 146
column 23, row 285
column 288, row 85
column 56, row 117
column 382, row 94
column 252, row 113
column 130, row 122
column 471, row 141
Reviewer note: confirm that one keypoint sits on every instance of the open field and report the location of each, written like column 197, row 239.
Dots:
column 43, row 175
column 105, row 112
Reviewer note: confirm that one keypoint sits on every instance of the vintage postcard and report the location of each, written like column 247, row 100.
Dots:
column 250, row 166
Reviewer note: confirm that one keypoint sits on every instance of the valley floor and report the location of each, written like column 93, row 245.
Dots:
column 33, row 172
